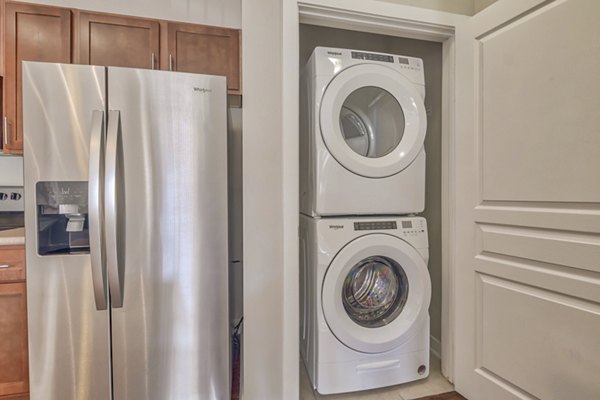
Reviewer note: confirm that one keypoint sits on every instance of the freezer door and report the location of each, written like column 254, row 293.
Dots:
column 166, row 213
column 63, row 128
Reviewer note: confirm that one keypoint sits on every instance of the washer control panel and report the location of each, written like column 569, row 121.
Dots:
column 375, row 225
column 403, row 227
column 413, row 227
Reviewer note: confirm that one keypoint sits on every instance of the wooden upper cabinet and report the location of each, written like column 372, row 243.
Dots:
column 2, row 22
column 32, row 33
column 205, row 50
column 119, row 41
column 35, row 32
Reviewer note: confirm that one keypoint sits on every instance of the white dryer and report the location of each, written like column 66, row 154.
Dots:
column 365, row 294
column 362, row 129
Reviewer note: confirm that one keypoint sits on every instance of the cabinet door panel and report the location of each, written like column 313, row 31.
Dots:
column 33, row 33
column 206, row 50
column 12, row 264
column 118, row 41
column 13, row 346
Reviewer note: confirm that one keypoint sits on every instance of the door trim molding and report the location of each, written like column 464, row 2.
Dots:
column 423, row 24
column 325, row 15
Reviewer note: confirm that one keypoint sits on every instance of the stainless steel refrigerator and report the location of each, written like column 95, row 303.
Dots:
column 126, row 233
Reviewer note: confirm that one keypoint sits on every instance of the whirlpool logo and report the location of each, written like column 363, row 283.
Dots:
column 336, row 227
column 334, row 53
column 202, row 90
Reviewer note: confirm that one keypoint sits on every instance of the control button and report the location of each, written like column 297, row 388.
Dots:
column 3, row 196
column 15, row 196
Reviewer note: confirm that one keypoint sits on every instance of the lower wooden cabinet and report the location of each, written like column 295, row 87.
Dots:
column 14, row 366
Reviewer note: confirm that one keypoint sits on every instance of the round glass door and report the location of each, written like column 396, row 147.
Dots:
column 375, row 291
column 372, row 122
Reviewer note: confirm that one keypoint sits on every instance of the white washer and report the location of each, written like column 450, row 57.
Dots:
column 362, row 129
column 365, row 293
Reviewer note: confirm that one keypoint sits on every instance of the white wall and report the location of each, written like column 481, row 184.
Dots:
column 454, row 6
column 270, row 175
column 11, row 170
column 209, row 12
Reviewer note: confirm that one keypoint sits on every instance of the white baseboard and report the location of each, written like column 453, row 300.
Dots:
column 435, row 346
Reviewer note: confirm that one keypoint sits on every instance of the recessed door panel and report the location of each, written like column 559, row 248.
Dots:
column 539, row 107
column 536, row 340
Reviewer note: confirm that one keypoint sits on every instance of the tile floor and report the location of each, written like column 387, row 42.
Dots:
column 435, row 383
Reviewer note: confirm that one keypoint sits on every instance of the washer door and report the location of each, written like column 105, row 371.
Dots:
column 376, row 293
column 373, row 120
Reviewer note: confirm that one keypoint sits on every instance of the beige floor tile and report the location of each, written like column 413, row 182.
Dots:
column 434, row 384
column 306, row 390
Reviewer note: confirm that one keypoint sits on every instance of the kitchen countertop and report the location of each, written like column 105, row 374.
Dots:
column 12, row 237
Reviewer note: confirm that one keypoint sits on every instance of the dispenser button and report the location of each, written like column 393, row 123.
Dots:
column 75, row 224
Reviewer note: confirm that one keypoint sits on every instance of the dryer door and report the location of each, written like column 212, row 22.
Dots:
column 376, row 293
column 373, row 120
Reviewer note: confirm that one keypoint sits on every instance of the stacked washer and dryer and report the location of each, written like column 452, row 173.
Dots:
column 365, row 286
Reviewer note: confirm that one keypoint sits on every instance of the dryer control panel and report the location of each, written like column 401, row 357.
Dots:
column 329, row 61
column 410, row 63
column 373, row 56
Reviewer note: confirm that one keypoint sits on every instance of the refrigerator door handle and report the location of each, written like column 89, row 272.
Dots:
column 96, row 172
column 114, row 209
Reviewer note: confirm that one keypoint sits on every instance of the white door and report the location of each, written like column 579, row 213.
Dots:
column 527, row 285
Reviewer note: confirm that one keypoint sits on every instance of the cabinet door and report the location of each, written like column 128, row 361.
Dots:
column 12, row 264
column 118, row 41
column 14, row 373
column 205, row 50
column 32, row 33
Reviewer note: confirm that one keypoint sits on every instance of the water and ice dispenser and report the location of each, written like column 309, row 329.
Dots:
column 62, row 217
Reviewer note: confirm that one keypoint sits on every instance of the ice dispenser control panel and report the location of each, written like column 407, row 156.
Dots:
column 62, row 217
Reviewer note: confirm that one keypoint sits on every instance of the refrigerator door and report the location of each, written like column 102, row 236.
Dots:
column 166, row 213
column 63, row 118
